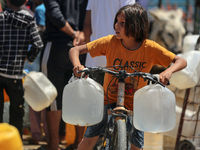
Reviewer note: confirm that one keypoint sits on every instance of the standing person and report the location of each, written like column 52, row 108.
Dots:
column 129, row 45
column 98, row 23
column 40, row 16
column 18, row 29
column 64, row 24
column 37, row 118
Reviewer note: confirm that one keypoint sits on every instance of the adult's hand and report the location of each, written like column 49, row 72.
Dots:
column 79, row 38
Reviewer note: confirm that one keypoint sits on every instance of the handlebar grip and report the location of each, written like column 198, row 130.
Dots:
column 80, row 71
column 84, row 70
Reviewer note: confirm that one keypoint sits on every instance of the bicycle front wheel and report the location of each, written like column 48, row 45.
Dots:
column 118, row 140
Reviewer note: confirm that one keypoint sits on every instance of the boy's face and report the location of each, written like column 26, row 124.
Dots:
column 120, row 26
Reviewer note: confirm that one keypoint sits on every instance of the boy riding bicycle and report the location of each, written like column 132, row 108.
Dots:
column 128, row 47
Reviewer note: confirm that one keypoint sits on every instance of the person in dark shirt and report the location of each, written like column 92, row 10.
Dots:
column 64, row 25
column 18, row 30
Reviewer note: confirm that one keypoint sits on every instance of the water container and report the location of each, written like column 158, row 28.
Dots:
column 189, row 42
column 10, row 138
column 83, row 102
column 39, row 91
column 154, row 109
column 189, row 76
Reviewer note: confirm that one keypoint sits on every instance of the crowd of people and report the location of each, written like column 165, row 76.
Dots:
column 51, row 35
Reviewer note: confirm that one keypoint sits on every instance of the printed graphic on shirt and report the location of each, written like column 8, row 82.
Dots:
column 138, row 65
column 131, row 84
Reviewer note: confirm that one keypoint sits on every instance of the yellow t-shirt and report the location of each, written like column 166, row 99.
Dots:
column 142, row 59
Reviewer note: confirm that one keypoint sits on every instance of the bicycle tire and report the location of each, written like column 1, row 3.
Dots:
column 118, row 140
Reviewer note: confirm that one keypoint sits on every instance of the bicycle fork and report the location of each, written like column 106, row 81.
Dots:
column 118, row 113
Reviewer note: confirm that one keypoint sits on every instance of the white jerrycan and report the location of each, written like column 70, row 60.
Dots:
column 189, row 42
column 83, row 102
column 154, row 109
column 39, row 91
column 189, row 76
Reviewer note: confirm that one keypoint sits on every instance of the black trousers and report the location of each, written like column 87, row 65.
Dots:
column 55, row 63
column 15, row 91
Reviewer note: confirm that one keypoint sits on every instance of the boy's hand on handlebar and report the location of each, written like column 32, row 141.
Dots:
column 76, row 69
column 164, row 77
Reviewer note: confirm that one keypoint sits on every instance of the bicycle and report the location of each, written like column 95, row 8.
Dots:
column 116, row 136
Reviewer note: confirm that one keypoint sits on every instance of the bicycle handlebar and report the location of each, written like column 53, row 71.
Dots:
column 122, row 74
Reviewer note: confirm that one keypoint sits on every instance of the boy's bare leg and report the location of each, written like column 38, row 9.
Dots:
column 79, row 136
column 53, row 122
column 88, row 143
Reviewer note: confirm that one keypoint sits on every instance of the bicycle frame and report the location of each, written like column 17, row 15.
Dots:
column 119, row 114
column 120, row 96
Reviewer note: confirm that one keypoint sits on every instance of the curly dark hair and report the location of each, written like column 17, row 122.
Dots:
column 17, row 3
column 136, row 21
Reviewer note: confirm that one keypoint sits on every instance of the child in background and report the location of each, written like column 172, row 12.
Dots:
column 128, row 47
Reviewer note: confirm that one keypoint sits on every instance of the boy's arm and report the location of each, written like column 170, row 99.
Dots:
column 36, row 43
column 74, row 57
column 179, row 64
